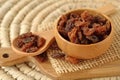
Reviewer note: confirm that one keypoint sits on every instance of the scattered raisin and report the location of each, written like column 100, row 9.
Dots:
column 54, row 46
column 42, row 57
column 71, row 59
column 57, row 55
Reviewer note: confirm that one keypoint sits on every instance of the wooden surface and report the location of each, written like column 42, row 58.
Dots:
column 110, row 69
column 18, row 8
column 14, row 55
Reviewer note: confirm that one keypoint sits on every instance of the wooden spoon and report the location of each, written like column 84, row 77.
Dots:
column 11, row 56
column 13, row 53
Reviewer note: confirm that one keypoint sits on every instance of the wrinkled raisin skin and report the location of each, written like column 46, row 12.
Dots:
column 57, row 55
column 42, row 57
column 29, row 42
column 71, row 59
column 84, row 28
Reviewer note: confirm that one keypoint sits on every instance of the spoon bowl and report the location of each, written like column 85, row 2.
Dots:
column 47, row 35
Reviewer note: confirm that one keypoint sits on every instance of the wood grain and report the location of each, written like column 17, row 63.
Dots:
column 110, row 69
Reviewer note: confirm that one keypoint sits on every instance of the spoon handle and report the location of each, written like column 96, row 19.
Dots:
column 107, row 9
column 8, row 55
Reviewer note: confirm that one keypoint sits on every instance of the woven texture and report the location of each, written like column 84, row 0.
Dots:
column 21, row 16
column 112, row 54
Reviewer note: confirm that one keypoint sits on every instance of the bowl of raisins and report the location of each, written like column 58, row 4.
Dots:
column 84, row 33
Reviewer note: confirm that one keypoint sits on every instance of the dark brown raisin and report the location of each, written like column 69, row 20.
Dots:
column 80, row 35
column 26, row 46
column 101, row 30
column 74, row 15
column 69, row 25
column 57, row 55
column 62, row 21
column 73, row 36
column 19, row 43
column 93, row 38
column 85, row 41
column 54, row 46
column 72, row 59
column 86, row 16
column 40, row 42
column 88, row 31
column 81, row 24
column 63, row 34
column 42, row 57
column 31, row 49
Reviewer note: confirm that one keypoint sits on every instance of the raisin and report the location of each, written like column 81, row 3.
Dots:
column 69, row 25
column 81, row 24
column 101, row 30
column 40, row 42
column 57, row 55
column 26, row 35
column 71, row 59
column 26, row 46
column 93, row 38
column 19, row 43
column 86, row 16
column 73, row 35
column 88, row 31
column 80, row 35
column 54, row 46
column 74, row 15
column 99, row 20
column 85, row 41
column 31, row 49
column 42, row 57
column 63, row 33
column 95, row 25
column 62, row 21
column 27, row 39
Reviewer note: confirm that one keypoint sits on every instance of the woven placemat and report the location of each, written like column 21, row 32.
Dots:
column 21, row 16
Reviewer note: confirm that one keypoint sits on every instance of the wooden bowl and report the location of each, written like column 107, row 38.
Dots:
column 83, row 51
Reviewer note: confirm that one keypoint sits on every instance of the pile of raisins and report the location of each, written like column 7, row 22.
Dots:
column 83, row 28
column 29, row 42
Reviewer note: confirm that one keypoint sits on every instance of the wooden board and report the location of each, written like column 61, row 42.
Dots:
column 110, row 69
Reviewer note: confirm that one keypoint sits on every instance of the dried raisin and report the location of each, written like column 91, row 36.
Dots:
column 29, row 42
column 84, row 28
